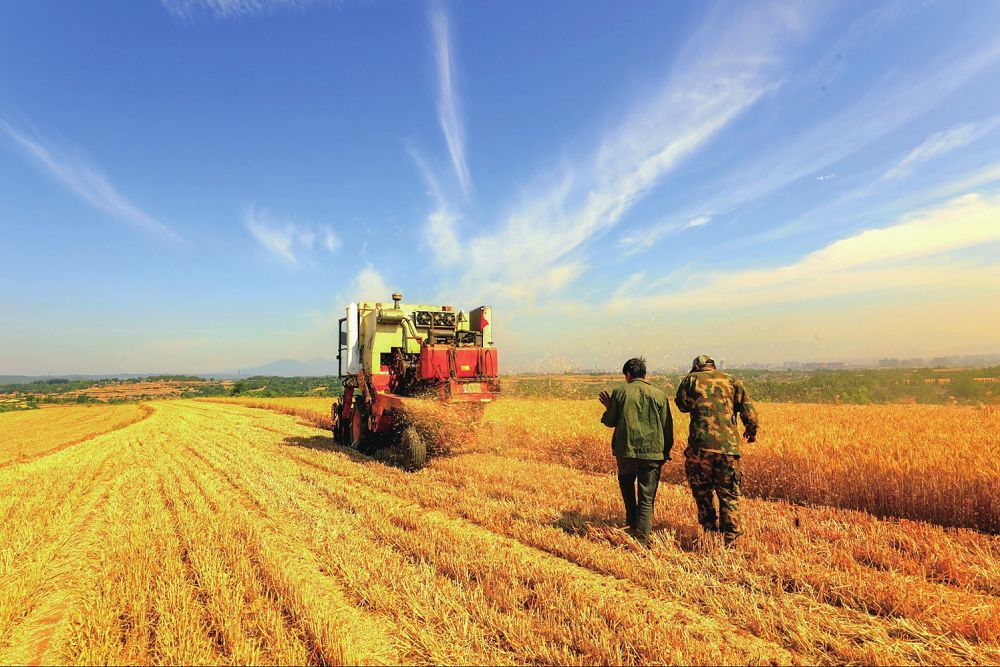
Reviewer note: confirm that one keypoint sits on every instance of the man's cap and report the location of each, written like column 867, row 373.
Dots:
column 700, row 362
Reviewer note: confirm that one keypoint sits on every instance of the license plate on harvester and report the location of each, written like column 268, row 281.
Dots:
column 472, row 388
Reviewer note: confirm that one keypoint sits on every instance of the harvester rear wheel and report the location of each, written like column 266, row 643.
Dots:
column 412, row 449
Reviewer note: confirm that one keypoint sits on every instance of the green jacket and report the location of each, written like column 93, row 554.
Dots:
column 640, row 415
column 714, row 400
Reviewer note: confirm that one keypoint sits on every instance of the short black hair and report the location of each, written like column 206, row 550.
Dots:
column 636, row 367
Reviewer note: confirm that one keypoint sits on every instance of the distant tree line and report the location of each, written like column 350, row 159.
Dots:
column 887, row 385
column 48, row 386
column 911, row 385
column 273, row 386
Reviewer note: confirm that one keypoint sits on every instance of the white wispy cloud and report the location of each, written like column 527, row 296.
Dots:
column 889, row 105
column 729, row 64
column 630, row 286
column 886, row 107
column 978, row 178
column 544, row 283
column 724, row 71
column 936, row 145
column 285, row 239
column 449, row 112
column 226, row 9
column 866, row 30
column 87, row 182
column 440, row 227
column 279, row 240
column 331, row 241
column 869, row 261
column 370, row 284
column 633, row 241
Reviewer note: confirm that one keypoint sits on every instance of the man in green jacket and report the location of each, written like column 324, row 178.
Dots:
column 643, row 438
column 715, row 400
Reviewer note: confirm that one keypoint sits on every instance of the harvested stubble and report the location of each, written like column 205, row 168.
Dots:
column 27, row 434
column 313, row 410
column 273, row 546
column 927, row 462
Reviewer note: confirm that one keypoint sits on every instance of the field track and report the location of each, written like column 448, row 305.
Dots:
column 217, row 533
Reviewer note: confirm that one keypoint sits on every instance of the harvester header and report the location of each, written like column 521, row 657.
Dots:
column 391, row 353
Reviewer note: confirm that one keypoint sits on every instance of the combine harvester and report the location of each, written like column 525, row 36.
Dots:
column 396, row 359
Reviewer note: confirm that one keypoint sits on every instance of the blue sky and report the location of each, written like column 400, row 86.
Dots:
column 201, row 185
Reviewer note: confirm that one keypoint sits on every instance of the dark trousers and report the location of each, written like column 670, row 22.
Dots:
column 638, row 480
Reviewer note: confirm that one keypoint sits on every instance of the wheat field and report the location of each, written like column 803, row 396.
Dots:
column 219, row 533
column 28, row 434
column 931, row 462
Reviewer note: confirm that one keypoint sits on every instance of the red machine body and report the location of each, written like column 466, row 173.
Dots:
column 446, row 373
column 412, row 353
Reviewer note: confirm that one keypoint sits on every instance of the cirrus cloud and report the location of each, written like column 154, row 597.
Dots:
column 908, row 255
column 287, row 240
column 87, row 182
column 938, row 144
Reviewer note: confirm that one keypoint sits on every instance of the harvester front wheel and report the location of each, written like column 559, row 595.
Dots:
column 359, row 429
column 413, row 449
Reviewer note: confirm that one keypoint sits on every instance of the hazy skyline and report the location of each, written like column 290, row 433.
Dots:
column 201, row 185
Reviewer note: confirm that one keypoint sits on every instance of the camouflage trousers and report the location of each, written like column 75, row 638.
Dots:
column 713, row 474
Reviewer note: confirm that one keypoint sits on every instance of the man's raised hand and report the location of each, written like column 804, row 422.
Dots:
column 604, row 398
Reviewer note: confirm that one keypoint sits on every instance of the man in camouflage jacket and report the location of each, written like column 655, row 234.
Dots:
column 715, row 399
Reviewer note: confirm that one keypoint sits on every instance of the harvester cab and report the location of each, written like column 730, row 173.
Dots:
column 393, row 355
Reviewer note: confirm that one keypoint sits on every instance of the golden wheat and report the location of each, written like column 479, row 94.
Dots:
column 217, row 533
column 934, row 463
column 313, row 410
column 30, row 433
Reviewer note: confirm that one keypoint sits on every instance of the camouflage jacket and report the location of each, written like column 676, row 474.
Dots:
column 714, row 399
column 640, row 415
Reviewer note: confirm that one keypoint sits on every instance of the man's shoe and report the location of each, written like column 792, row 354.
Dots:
column 638, row 537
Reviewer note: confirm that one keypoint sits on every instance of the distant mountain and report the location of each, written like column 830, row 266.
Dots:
column 292, row 368
column 17, row 379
